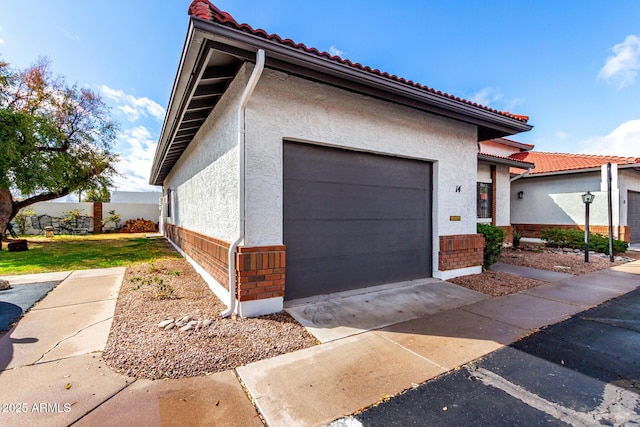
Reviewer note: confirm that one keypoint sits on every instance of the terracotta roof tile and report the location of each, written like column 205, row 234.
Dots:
column 559, row 162
column 525, row 163
column 204, row 9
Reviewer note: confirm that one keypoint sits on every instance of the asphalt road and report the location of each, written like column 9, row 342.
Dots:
column 19, row 298
column 584, row 371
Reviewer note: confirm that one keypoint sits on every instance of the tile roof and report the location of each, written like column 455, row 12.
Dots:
column 204, row 9
column 560, row 162
column 507, row 160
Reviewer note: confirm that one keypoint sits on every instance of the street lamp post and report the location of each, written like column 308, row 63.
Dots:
column 587, row 198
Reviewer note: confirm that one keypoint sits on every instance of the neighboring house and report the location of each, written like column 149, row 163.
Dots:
column 550, row 195
column 149, row 197
column 495, row 160
column 288, row 172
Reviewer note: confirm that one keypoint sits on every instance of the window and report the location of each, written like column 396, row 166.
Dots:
column 169, row 202
column 484, row 201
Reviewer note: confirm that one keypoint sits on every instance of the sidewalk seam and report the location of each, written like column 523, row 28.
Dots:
column 73, row 305
column 69, row 337
column 105, row 401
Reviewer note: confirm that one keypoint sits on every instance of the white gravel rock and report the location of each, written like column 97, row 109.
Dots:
column 207, row 323
column 165, row 323
column 170, row 326
column 187, row 327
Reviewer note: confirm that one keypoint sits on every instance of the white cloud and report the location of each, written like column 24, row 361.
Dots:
column 622, row 67
column 490, row 97
column 622, row 141
column 486, row 96
column 336, row 52
column 137, row 148
column 1, row 41
column 132, row 107
column 68, row 34
column 562, row 135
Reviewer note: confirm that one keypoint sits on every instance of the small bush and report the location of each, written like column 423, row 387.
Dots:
column 493, row 240
column 517, row 236
column 574, row 239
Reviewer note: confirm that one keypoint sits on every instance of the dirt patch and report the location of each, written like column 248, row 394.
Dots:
column 152, row 293
column 552, row 260
column 497, row 283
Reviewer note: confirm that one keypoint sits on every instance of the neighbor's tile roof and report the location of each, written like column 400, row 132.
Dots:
column 203, row 9
column 525, row 163
column 559, row 162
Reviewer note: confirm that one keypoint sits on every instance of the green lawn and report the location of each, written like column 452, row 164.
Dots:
column 63, row 253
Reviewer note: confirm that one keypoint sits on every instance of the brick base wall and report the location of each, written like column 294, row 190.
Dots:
column 533, row 230
column 260, row 272
column 212, row 254
column 460, row 251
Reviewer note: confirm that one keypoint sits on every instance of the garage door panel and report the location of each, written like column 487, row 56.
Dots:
column 353, row 219
column 333, row 201
column 367, row 270
column 320, row 164
column 353, row 237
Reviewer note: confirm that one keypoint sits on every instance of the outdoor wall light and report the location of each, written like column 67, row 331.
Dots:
column 520, row 194
column 587, row 199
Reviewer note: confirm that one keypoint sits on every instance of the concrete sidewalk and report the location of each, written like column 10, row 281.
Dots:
column 320, row 384
column 52, row 373
column 51, row 360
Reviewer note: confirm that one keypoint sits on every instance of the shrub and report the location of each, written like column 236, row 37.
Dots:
column 23, row 220
column 516, row 238
column 493, row 240
column 574, row 239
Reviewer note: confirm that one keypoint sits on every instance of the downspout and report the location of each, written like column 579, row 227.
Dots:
column 522, row 175
column 244, row 100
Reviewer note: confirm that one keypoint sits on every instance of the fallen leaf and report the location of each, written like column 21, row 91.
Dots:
column 68, row 386
column 218, row 403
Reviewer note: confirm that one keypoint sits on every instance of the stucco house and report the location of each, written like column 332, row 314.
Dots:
column 288, row 172
column 496, row 161
column 549, row 195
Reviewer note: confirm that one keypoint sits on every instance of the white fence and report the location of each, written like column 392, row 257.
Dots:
column 148, row 211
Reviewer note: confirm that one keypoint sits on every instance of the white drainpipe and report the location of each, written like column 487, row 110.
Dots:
column 248, row 91
column 522, row 175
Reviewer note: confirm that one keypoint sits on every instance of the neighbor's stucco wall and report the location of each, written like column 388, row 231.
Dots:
column 204, row 181
column 285, row 107
column 629, row 180
column 557, row 200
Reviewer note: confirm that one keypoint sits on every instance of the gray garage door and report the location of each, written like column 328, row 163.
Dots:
column 633, row 216
column 353, row 219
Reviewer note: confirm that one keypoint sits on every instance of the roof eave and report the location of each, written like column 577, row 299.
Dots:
column 507, row 162
column 279, row 55
column 204, row 33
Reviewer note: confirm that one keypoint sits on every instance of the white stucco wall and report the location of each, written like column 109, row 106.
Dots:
column 557, row 200
column 149, row 197
column 629, row 180
column 503, row 196
column 204, row 181
column 285, row 107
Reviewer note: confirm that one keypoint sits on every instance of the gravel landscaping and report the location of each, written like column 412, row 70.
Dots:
column 172, row 290
column 167, row 322
column 563, row 261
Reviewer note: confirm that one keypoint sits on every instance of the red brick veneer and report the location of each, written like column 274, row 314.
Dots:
column 260, row 271
column 460, row 251
column 211, row 254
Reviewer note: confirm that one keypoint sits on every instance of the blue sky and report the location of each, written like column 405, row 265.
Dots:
column 572, row 67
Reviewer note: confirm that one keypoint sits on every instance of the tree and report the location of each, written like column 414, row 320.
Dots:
column 55, row 139
column 101, row 194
